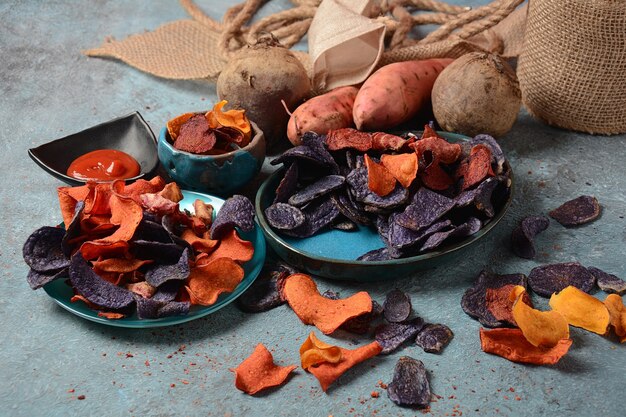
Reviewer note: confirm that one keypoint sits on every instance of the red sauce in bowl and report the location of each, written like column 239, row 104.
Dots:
column 104, row 165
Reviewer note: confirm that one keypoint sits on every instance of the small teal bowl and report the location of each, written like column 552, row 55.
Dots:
column 214, row 174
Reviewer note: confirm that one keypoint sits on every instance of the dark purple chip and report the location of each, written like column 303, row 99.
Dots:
column 425, row 208
column 481, row 196
column 37, row 280
column 283, row 216
column 162, row 273
column 95, row 289
column 382, row 226
column 349, row 209
column 392, row 335
column 380, row 254
column 433, row 337
column 299, row 153
column 497, row 155
column 351, row 159
column 149, row 308
column 471, row 226
column 401, row 237
column 169, row 253
column 608, row 283
column 265, row 292
column 361, row 324
column 319, row 188
column 153, row 231
column 318, row 214
column 72, row 230
column 548, row 279
column 346, row 226
column 237, row 211
column 357, row 180
column 581, row 210
column 42, row 250
column 167, row 291
column 288, row 185
column 523, row 236
column 317, row 143
column 409, row 386
column 474, row 301
column 397, row 306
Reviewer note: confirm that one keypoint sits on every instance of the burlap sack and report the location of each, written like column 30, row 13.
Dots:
column 572, row 69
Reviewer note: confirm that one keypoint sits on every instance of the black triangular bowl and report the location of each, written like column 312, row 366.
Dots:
column 130, row 134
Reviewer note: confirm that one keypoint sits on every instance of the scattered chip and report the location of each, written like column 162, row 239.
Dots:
column 402, row 166
column 499, row 302
column 315, row 352
column 409, row 386
column 512, row 345
column 425, row 207
column 522, row 238
column 162, row 273
column 311, row 307
column 208, row 281
column 541, row 328
column 327, row 373
column 361, row 324
column 397, row 306
column 379, row 180
column 581, row 309
column 283, row 216
column 265, row 292
column 288, row 184
column 549, row 279
column 617, row 312
column 392, row 335
column 258, row 372
column 434, row 337
column 149, row 308
column 581, row 210
column 348, row 138
column 237, row 211
column 608, row 282
column 37, row 279
column 319, row 188
column 43, row 252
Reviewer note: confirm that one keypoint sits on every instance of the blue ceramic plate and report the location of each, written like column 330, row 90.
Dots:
column 61, row 292
column 332, row 253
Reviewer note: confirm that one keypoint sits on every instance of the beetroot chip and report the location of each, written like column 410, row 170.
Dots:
column 497, row 156
column 549, row 279
column 196, row 136
column 522, row 238
column 288, row 184
column 581, row 210
column 348, row 138
column 162, row 273
column 397, row 306
column 392, row 335
column 42, row 250
column 409, row 386
column 319, row 188
column 283, row 216
column 434, row 337
column 386, row 142
column 95, row 289
column 608, row 283
column 149, row 308
column 237, row 211
column 265, row 292
column 425, row 207
column 37, row 280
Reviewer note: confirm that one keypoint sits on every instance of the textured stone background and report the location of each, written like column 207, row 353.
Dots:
column 50, row 357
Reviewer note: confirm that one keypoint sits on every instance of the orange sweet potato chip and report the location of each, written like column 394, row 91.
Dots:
column 327, row 373
column 68, row 197
column 198, row 243
column 94, row 249
column 258, row 372
column 203, row 211
column 617, row 311
column 233, row 247
column 541, row 328
column 173, row 125
column 172, row 192
column 512, row 345
column 111, row 315
column 402, row 166
column 231, row 118
column 379, row 179
column 314, row 352
column 311, row 307
column 207, row 282
column 581, row 309
column 499, row 301
column 119, row 265
column 137, row 188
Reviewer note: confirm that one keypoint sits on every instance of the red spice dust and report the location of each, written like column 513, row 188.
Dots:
column 80, row 397
column 375, row 394
column 71, row 390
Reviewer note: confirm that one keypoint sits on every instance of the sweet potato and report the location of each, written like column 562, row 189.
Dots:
column 329, row 111
column 395, row 93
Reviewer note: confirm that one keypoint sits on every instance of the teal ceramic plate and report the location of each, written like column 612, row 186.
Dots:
column 61, row 292
column 332, row 254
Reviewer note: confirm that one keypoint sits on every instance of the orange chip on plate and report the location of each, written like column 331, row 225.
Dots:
column 379, row 179
column 137, row 188
column 327, row 372
column 433, row 176
column 541, row 328
column 111, row 315
column 207, row 282
column 198, row 243
column 94, row 249
column 203, row 211
column 172, row 192
column 581, row 309
column 402, row 166
column 311, row 307
column 617, row 311
column 68, row 197
column 173, row 125
column 258, row 372
column 314, row 352
column 119, row 265
column 512, row 345
column 233, row 247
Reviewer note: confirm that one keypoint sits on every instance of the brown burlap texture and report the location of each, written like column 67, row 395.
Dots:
column 572, row 69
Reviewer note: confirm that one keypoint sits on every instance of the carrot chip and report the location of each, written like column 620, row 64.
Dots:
column 198, row 243
column 258, row 372
column 379, row 179
column 512, row 345
column 311, row 307
column 541, row 328
column 327, row 372
column 314, row 352
column 402, row 166
column 581, row 309
column 233, row 247
column 617, row 311
column 207, row 282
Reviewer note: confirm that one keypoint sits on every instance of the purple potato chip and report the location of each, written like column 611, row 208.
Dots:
column 425, row 208
column 169, row 253
column 471, row 226
column 397, row 306
column 392, row 335
column 317, row 215
column 474, row 300
column 167, row 291
column 581, row 210
column 37, row 280
column 95, row 289
column 351, row 159
column 237, row 211
column 349, row 209
column 382, row 226
column 319, row 188
column 72, row 230
column 375, row 255
column 317, row 143
column 174, row 229
column 162, row 273
column 409, row 386
column 480, row 196
column 346, row 225
column 265, row 292
column 283, row 216
column 357, row 180
column 42, row 250
column 361, row 324
column 288, row 185
column 548, row 279
column 149, row 308
column 401, row 237
column 522, row 237
column 152, row 231
column 433, row 337
column 299, row 153
column 608, row 283
column 497, row 155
